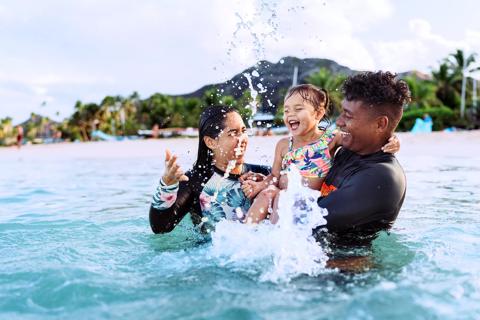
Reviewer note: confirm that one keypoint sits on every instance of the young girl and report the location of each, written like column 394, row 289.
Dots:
column 308, row 147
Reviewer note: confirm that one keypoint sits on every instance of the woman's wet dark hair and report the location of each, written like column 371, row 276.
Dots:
column 212, row 122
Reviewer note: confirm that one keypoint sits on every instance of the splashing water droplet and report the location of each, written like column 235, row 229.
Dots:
column 287, row 248
column 253, row 94
column 239, row 213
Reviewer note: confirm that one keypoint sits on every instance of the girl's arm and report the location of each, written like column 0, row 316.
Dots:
column 282, row 145
column 335, row 143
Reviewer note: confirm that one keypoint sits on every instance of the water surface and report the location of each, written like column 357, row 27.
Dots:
column 75, row 242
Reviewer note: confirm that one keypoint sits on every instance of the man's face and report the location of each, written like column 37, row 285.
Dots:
column 358, row 127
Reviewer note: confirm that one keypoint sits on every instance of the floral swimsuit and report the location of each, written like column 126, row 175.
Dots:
column 313, row 160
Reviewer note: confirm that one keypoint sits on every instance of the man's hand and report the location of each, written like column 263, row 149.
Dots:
column 173, row 173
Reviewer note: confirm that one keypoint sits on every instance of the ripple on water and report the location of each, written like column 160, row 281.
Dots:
column 75, row 243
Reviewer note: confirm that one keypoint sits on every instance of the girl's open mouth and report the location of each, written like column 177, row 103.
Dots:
column 294, row 124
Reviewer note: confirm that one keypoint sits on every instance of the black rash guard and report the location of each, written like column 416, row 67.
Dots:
column 363, row 194
column 207, row 195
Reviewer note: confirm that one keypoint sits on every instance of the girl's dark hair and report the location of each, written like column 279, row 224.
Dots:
column 212, row 122
column 318, row 97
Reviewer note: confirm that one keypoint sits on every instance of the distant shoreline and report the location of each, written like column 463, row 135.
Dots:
column 462, row 143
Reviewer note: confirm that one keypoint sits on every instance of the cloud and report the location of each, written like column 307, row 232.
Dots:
column 306, row 29
column 424, row 48
column 61, row 51
column 86, row 50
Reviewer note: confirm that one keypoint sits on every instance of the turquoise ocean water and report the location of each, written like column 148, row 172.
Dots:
column 75, row 243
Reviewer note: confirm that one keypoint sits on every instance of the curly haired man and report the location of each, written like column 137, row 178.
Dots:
column 365, row 188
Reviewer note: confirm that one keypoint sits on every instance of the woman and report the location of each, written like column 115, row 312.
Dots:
column 211, row 190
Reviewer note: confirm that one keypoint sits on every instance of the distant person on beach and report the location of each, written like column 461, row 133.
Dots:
column 365, row 187
column 308, row 147
column 19, row 136
column 155, row 131
column 423, row 125
column 211, row 190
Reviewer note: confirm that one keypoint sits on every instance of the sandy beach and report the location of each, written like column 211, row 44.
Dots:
column 463, row 143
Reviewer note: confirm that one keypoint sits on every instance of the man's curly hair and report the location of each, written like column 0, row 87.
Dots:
column 380, row 91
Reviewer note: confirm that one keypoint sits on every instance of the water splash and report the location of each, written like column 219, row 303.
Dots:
column 230, row 166
column 280, row 252
column 253, row 104
column 255, row 27
column 238, row 151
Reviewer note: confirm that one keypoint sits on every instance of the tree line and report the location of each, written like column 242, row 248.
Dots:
column 438, row 94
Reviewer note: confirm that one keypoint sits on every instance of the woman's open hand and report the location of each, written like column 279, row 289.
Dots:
column 173, row 173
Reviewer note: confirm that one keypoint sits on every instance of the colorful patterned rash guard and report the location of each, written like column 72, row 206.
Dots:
column 208, row 196
column 313, row 160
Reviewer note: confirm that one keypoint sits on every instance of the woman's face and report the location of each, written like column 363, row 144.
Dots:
column 231, row 144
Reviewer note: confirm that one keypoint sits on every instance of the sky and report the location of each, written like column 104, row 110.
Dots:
column 54, row 52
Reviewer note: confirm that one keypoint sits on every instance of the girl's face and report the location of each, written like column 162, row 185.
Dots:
column 300, row 116
column 232, row 143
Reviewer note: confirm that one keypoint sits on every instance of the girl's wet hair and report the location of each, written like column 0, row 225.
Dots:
column 317, row 97
column 212, row 123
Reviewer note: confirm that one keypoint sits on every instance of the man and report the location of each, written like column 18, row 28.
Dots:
column 365, row 188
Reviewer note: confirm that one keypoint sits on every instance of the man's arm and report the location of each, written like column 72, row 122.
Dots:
column 370, row 199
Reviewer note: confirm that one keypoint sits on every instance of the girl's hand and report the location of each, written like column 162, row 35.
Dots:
column 252, row 176
column 173, row 173
column 335, row 143
column 392, row 146
column 251, row 188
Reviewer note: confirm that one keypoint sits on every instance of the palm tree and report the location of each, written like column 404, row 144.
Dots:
column 83, row 117
column 458, row 63
column 6, row 129
column 423, row 92
column 463, row 66
column 447, row 81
